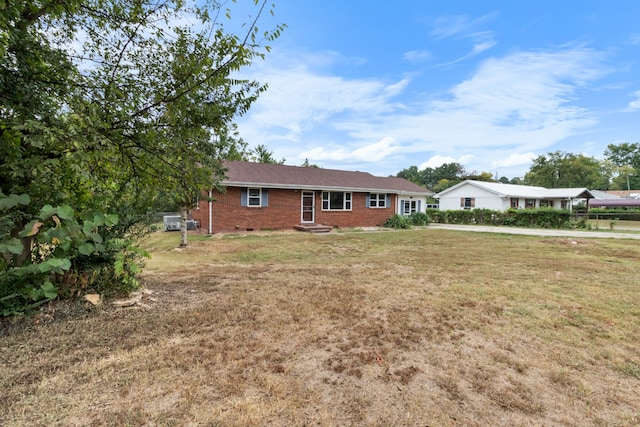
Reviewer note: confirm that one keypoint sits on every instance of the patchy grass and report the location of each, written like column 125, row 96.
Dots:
column 418, row 327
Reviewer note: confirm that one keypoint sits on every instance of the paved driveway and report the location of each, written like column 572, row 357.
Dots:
column 538, row 231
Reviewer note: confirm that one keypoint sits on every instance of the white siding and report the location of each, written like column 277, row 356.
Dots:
column 483, row 199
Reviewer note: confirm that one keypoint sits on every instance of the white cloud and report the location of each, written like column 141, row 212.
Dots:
column 635, row 104
column 417, row 56
column 455, row 25
column 481, row 47
column 520, row 103
column 436, row 161
column 301, row 97
column 463, row 27
column 375, row 152
column 515, row 159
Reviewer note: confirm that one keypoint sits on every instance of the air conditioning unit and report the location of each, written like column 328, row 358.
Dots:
column 171, row 222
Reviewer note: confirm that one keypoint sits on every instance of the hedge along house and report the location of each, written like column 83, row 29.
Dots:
column 500, row 197
column 263, row 196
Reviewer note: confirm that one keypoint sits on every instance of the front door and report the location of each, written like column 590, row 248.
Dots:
column 308, row 204
column 407, row 207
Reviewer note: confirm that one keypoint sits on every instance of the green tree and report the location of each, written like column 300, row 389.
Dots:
column 104, row 106
column 412, row 174
column 482, row 176
column 625, row 158
column 306, row 164
column 262, row 154
column 566, row 170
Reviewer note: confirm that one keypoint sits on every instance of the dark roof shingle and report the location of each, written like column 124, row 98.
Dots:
column 284, row 176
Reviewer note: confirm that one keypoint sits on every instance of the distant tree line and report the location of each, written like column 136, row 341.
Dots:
column 619, row 170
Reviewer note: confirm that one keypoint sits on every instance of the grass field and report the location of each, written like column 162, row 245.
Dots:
column 415, row 328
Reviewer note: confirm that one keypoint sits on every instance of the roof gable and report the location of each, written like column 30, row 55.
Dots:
column 283, row 176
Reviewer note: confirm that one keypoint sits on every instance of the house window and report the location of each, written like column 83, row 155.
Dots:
column 564, row 204
column 546, row 203
column 336, row 201
column 377, row 200
column 255, row 196
column 529, row 203
column 467, row 202
column 515, row 202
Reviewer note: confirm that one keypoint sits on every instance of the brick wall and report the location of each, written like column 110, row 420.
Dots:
column 283, row 212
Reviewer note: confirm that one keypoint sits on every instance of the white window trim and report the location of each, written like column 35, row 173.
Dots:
column 249, row 197
column 412, row 204
column 344, row 200
column 380, row 197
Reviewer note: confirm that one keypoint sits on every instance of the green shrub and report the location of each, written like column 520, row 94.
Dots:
column 540, row 218
column 398, row 221
column 60, row 252
column 419, row 218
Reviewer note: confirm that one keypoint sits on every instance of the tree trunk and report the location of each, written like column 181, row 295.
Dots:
column 27, row 246
column 183, row 226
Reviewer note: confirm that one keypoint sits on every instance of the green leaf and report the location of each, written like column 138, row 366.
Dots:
column 86, row 248
column 111, row 219
column 54, row 265
column 46, row 212
column 24, row 199
column 65, row 212
column 31, row 229
column 12, row 245
column 49, row 291
column 14, row 200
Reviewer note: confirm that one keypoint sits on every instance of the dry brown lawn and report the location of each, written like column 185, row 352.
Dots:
column 403, row 328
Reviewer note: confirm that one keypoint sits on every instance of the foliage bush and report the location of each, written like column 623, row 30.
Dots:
column 419, row 218
column 398, row 221
column 58, row 252
column 541, row 218
column 404, row 222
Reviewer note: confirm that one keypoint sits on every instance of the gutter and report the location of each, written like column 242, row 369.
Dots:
column 210, row 211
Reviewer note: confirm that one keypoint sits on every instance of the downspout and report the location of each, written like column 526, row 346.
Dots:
column 210, row 213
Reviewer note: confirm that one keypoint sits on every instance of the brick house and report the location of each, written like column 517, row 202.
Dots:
column 271, row 196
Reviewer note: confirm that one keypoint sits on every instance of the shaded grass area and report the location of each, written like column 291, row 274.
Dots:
column 418, row 327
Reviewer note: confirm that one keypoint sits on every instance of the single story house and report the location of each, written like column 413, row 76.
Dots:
column 500, row 197
column 272, row 196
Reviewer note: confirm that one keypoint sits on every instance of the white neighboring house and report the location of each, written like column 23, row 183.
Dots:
column 500, row 197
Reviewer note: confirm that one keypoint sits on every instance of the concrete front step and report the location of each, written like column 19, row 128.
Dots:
column 314, row 228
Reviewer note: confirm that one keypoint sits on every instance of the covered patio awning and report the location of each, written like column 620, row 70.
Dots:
column 614, row 203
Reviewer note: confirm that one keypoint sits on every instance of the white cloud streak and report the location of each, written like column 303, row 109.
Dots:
column 635, row 104
column 519, row 103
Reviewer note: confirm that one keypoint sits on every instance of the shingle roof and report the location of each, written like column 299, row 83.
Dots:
column 524, row 191
column 269, row 175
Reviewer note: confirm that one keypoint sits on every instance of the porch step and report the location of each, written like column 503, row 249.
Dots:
column 313, row 228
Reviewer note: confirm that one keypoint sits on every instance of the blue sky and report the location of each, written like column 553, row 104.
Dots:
column 381, row 86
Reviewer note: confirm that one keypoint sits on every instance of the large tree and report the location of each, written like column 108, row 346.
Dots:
column 105, row 105
column 625, row 161
column 567, row 170
column 441, row 177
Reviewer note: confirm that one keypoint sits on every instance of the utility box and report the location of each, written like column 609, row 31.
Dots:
column 171, row 222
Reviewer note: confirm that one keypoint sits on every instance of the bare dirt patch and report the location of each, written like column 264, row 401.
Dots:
column 397, row 328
